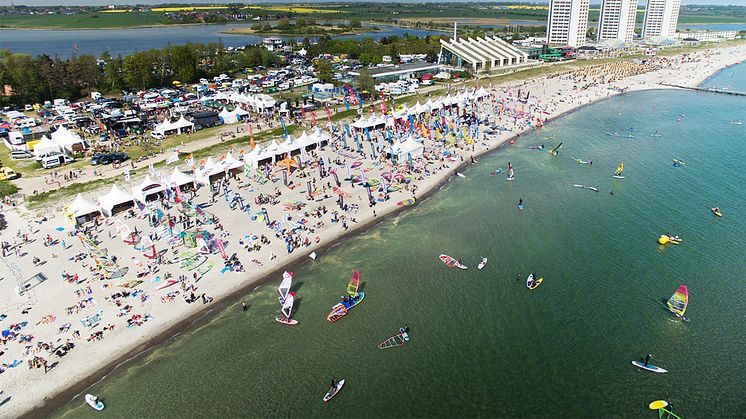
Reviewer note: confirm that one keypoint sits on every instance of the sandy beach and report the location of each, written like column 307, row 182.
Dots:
column 73, row 328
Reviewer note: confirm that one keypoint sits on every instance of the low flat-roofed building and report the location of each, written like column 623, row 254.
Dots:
column 401, row 71
column 711, row 36
column 481, row 54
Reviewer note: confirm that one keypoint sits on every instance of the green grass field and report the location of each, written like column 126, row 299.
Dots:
column 81, row 21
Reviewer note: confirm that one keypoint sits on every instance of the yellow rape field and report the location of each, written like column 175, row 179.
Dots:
column 294, row 9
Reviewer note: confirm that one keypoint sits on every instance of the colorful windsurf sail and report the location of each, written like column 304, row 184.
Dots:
column 619, row 170
column 679, row 301
column 354, row 282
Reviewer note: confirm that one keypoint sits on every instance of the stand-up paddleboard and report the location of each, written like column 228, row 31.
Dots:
column 94, row 402
column 451, row 262
column 334, row 390
column 482, row 263
column 648, row 367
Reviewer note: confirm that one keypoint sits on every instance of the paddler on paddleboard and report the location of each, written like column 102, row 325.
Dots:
column 648, row 358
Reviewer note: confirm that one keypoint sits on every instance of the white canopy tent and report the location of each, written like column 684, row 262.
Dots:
column 179, row 178
column 67, row 139
column 114, row 198
column 45, row 147
column 409, row 147
column 227, row 117
column 146, row 188
column 81, row 207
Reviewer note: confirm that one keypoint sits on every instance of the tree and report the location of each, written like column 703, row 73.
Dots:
column 324, row 71
column 354, row 23
column 365, row 81
column 283, row 24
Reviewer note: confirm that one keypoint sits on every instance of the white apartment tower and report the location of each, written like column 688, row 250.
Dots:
column 617, row 20
column 661, row 17
column 568, row 22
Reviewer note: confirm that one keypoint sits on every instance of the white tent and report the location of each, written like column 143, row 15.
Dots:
column 290, row 145
column 179, row 178
column 46, row 146
column 115, row 197
column 407, row 148
column 67, row 139
column 231, row 162
column 145, row 188
column 182, row 125
column 81, row 207
column 227, row 117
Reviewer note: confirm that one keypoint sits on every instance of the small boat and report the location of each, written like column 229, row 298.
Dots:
column 287, row 310
column 482, row 263
column 451, row 262
column 716, row 211
column 94, row 402
column 334, row 390
column 737, row 122
column 354, row 298
column 533, row 284
column 618, row 172
column 648, row 367
column 395, row 341
column 665, row 239
column 678, row 302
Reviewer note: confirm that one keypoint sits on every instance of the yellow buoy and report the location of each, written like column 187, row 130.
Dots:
column 658, row 404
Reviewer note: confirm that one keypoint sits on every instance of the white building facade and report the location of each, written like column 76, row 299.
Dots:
column 713, row 36
column 568, row 22
column 661, row 18
column 617, row 20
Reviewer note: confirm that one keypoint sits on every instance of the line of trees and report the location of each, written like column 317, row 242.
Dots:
column 40, row 78
column 369, row 51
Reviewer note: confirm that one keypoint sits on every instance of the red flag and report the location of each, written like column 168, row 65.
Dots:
column 383, row 102
column 251, row 135
column 313, row 118
column 328, row 115
column 303, row 112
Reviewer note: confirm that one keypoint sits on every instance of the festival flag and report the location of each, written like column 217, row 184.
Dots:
column 284, row 128
column 190, row 160
column 313, row 118
column 303, row 113
column 127, row 175
column 328, row 116
column 347, row 104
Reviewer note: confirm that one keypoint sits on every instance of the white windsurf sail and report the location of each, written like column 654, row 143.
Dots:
column 284, row 288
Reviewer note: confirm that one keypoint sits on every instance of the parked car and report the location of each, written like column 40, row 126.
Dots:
column 6, row 173
column 55, row 160
column 20, row 154
column 102, row 158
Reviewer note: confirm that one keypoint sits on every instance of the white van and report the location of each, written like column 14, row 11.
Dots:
column 25, row 123
column 49, row 162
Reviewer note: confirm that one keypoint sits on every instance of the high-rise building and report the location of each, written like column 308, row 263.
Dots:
column 661, row 17
column 568, row 22
column 617, row 20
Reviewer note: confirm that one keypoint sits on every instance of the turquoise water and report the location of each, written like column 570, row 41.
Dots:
column 732, row 78
column 482, row 344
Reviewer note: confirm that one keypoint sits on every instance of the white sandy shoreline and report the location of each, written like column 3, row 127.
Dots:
column 91, row 360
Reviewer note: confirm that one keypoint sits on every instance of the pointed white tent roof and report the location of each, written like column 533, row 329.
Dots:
column 231, row 162
column 81, row 206
column 179, row 178
column 147, row 187
column 227, row 117
column 46, row 146
column 66, row 138
column 182, row 123
column 115, row 197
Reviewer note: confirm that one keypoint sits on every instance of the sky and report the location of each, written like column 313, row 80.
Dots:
column 100, row 2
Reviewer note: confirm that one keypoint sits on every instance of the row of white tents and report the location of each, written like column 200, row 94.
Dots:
column 460, row 100
column 231, row 117
column 62, row 141
column 178, row 127
column 116, row 197
column 257, row 103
